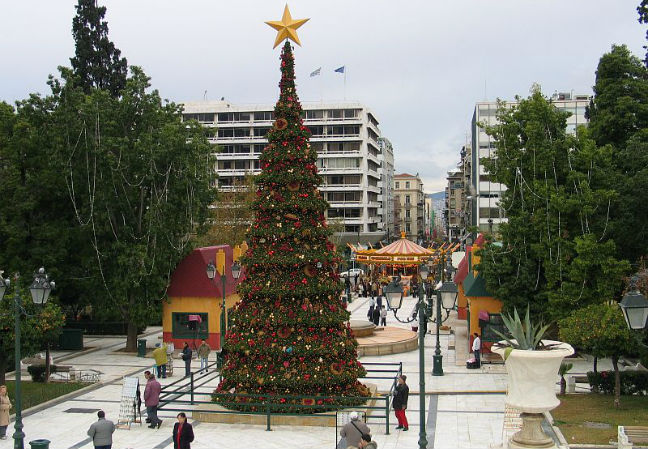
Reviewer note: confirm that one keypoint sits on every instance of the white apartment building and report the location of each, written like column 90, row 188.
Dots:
column 485, row 195
column 346, row 137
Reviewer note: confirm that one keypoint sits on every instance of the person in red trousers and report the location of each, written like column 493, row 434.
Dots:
column 401, row 392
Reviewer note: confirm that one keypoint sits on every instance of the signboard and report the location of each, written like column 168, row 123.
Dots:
column 129, row 407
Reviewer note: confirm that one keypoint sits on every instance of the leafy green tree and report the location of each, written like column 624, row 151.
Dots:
column 97, row 63
column 618, row 116
column 138, row 179
column 554, row 254
column 37, row 226
column 38, row 328
column 289, row 333
column 600, row 330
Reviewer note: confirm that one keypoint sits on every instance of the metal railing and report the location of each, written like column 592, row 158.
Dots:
column 171, row 397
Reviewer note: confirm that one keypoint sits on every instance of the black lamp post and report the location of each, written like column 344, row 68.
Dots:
column 211, row 274
column 635, row 306
column 40, row 290
column 394, row 294
column 446, row 296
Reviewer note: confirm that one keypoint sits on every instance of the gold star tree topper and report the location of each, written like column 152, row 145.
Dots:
column 287, row 28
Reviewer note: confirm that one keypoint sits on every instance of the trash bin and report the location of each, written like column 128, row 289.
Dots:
column 39, row 444
column 141, row 348
column 71, row 339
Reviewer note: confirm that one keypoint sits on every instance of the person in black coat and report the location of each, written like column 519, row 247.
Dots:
column 401, row 393
column 186, row 357
column 182, row 433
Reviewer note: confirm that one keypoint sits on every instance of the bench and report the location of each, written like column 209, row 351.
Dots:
column 630, row 435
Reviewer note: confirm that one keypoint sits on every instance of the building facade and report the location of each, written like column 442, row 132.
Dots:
column 485, row 212
column 387, row 185
column 351, row 157
column 453, row 213
column 409, row 204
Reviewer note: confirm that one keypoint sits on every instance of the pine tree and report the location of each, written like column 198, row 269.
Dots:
column 97, row 63
column 289, row 334
column 618, row 116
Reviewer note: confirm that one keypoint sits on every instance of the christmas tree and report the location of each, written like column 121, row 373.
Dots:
column 289, row 334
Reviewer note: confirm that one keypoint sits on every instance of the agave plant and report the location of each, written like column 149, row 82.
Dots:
column 564, row 369
column 523, row 335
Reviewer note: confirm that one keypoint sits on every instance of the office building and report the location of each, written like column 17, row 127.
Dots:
column 350, row 156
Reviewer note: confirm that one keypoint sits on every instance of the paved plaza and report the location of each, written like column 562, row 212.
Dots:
column 465, row 408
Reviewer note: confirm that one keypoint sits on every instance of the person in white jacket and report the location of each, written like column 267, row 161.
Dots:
column 476, row 347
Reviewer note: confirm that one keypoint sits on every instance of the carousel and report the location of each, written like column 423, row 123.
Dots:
column 402, row 257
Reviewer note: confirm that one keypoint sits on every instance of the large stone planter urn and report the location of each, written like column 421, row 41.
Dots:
column 532, row 379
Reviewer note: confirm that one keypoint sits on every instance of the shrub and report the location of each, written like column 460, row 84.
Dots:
column 632, row 382
column 37, row 372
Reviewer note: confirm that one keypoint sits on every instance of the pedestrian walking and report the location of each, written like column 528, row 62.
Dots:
column 182, row 433
column 383, row 316
column 401, row 394
column 160, row 356
column 186, row 357
column 476, row 347
column 152, row 399
column 353, row 430
column 101, row 431
column 203, row 353
column 372, row 305
column 367, row 443
column 376, row 316
column 5, row 406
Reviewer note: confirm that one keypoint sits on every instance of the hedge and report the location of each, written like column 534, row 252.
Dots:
column 38, row 372
column 632, row 382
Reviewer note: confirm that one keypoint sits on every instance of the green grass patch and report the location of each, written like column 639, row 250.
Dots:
column 34, row 393
column 575, row 410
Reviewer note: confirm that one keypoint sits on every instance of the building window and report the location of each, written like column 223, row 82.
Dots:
column 407, row 213
column 407, row 184
column 407, row 199
column 397, row 185
column 189, row 325
column 407, row 227
column 265, row 116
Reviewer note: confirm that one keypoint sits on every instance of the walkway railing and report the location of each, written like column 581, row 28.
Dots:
column 186, row 393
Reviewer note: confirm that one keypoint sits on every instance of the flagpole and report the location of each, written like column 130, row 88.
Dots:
column 345, row 70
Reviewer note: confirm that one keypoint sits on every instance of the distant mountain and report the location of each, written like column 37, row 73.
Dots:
column 436, row 196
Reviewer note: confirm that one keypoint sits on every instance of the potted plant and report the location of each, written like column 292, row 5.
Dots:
column 532, row 364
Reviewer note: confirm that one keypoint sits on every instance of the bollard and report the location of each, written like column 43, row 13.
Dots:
column 571, row 384
column 39, row 444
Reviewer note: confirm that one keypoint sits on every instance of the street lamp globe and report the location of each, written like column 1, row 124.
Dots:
column 236, row 270
column 424, row 271
column 635, row 307
column 394, row 294
column 41, row 287
column 448, row 291
column 211, row 270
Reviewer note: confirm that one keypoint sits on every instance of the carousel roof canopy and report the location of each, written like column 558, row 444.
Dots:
column 401, row 252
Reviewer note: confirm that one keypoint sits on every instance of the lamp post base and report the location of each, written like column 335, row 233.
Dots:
column 437, row 365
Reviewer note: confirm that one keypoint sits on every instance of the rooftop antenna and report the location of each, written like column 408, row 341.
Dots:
column 205, row 96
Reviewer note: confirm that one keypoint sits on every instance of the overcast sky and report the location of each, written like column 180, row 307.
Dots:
column 419, row 65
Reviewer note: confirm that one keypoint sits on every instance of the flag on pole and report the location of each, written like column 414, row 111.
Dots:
column 316, row 72
column 340, row 69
